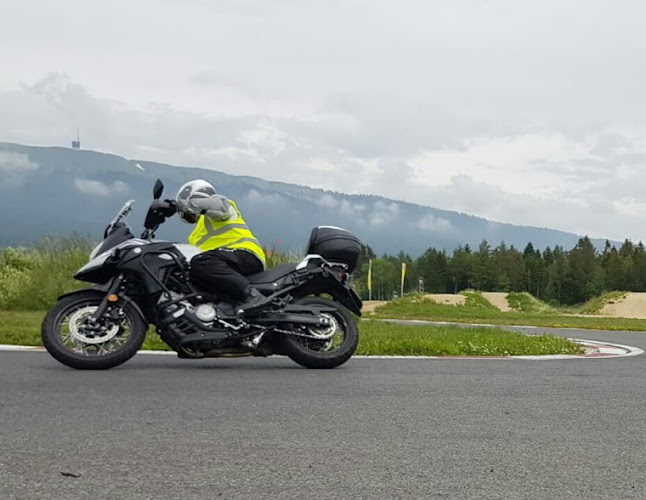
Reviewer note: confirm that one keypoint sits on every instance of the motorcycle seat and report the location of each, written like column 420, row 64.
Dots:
column 273, row 274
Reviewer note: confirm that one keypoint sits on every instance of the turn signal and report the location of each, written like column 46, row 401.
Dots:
column 113, row 298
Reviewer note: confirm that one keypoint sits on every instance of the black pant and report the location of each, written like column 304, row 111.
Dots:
column 223, row 270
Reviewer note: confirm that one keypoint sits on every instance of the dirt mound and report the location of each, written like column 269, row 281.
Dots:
column 632, row 305
column 369, row 306
column 498, row 299
column 447, row 298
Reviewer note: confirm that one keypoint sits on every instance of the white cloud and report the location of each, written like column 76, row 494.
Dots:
column 434, row 224
column 265, row 139
column 256, row 197
column 343, row 206
column 630, row 207
column 383, row 213
column 320, row 165
column 15, row 167
column 98, row 188
column 16, row 163
column 348, row 208
column 529, row 163
column 327, row 200
column 520, row 112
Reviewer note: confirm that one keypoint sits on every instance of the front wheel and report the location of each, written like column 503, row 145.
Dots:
column 70, row 335
column 322, row 347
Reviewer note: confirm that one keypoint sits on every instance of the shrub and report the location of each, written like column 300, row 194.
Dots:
column 33, row 278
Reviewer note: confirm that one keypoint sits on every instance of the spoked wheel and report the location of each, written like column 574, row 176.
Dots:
column 73, row 338
column 322, row 347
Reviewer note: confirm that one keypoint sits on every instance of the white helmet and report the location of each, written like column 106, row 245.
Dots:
column 192, row 190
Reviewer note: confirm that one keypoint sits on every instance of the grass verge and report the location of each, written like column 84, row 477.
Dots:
column 376, row 338
column 379, row 338
column 417, row 307
column 23, row 328
column 524, row 302
column 596, row 304
column 32, row 278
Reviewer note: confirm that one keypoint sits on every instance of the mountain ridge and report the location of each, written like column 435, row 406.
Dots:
column 95, row 184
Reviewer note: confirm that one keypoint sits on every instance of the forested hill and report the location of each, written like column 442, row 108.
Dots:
column 51, row 190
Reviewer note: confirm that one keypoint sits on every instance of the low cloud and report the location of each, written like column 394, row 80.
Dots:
column 97, row 188
column 383, row 213
column 16, row 163
column 434, row 224
column 15, row 167
column 255, row 197
column 341, row 205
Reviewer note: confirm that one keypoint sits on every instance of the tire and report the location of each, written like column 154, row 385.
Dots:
column 296, row 349
column 56, row 345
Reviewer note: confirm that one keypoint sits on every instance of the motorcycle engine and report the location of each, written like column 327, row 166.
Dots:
column 205, row 312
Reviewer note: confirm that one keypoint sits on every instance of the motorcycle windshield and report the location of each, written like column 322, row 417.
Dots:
column 120, row 234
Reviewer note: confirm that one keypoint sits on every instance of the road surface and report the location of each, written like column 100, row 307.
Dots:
column 160, row 427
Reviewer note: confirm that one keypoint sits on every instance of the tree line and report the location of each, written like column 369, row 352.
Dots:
column 554, row 275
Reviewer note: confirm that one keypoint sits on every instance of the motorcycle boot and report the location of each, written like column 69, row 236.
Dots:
column 253, row 300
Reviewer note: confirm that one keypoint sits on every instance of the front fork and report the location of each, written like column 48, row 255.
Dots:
column 109, row 294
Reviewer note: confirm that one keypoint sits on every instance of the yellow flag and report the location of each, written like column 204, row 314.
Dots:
column 370, row 275
column 403, row 276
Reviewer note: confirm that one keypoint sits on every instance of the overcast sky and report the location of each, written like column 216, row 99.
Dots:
column 525, row 112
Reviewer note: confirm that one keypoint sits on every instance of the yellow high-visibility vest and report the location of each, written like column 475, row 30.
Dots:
column 234, row 233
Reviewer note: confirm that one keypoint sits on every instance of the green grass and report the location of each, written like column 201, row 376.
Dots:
column 416, row 307
column 476, row 300
column 380, row 338
column 524, row 302
column 596, row 304
column 376, row 338
column 23, row 328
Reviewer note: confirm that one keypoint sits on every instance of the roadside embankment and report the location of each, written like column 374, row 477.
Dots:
column 420, row 307
column 630, row 305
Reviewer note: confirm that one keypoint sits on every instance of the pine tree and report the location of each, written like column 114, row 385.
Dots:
column 483, row 272
column 584, row 277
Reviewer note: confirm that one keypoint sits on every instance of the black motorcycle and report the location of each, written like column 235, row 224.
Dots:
column 139, row 282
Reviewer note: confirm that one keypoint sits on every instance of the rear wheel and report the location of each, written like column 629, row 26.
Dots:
column 322, row 347
column 70, row 335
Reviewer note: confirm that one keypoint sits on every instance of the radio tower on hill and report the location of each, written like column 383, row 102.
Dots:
column 77, row 143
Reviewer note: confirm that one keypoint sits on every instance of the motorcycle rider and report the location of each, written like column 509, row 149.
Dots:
column 231, row 251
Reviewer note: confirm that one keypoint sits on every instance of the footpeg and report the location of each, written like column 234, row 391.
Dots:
column 239, row 315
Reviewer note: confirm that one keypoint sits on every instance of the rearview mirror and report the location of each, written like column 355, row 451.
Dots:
column 158, row 189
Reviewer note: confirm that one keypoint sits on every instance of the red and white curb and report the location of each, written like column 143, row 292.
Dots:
column 593, row 350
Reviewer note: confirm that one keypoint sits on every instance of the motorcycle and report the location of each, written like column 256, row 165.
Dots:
column 140, row 282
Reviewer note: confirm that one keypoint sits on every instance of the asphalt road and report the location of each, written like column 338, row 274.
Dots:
column 160, row 427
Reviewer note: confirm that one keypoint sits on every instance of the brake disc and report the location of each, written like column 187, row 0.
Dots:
column 324, row 332
column 77, row 332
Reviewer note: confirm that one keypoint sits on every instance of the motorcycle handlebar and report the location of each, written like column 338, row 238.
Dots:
column 157, row 214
